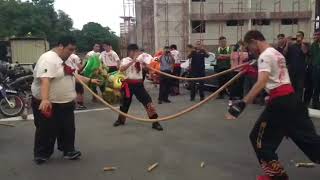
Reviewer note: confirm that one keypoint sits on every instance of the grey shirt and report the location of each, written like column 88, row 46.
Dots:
column 166, row 63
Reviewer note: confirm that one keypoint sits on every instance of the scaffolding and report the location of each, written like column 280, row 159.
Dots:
column 127, row 27
column 164, row 22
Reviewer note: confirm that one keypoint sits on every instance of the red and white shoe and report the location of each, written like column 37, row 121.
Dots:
column 264, row 178
column 273, row 178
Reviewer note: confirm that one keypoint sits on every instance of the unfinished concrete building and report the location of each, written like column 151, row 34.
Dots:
column 163, row 22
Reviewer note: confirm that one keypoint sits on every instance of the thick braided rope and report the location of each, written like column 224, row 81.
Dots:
column 167, row 118
column 200, row 78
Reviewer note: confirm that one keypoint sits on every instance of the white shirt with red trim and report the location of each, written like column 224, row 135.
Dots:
column 132, row 72
column 74, row 61
column 144, row 57
column 110, row 59
column 176, row 56
column 274, row 62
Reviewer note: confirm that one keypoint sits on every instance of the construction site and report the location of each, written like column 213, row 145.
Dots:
column 153, row 24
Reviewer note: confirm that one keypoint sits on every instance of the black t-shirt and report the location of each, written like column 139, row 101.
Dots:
column 198, row 62
column 296, row 59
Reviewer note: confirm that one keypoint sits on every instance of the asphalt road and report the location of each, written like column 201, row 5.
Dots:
column 201, row 136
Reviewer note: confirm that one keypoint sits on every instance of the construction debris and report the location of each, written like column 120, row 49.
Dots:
column 305, row 165
column 110, row 168
column 8, row 125
column 152, row 167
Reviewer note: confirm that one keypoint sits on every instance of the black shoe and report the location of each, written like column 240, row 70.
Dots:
column 167, row 101
column 118, row 123
column 159, row 102
column 40, row 160
column 73, row 155
column 157, row 126
column 60, row 149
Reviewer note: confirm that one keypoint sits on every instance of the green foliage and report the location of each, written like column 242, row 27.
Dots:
column 39, row 18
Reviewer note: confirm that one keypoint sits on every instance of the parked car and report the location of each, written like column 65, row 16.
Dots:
column 210, row 84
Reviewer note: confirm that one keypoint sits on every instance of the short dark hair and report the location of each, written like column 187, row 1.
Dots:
column 173, row 46
column 222, row 38
column 66, row 40
column 281, row 36
column 95, row 44
column 107, row 43
column 301, row 32
column 133, row 47
column 254, row 34
column 189, row 46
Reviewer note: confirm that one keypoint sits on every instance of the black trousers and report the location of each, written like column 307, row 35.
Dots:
column 142, row 96
column 196, row 86
column 175, row 82
column 60, row 126
column 165, row 87
column 285, row 116
column 297, row 80
column 237, row 88
column 223, row 79
column 316, row 86
column 308, row 86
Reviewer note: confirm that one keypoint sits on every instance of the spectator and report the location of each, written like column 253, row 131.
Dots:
column 238, row 57
column 53, row 91
column 75, row 62
column 223, row 62
column 110, row 58
column 197, row 69
column 176, row 70
column 282, row 42
column 166, row 65
column 95, row 52
column 146, row 58
column 315, row 59
column 296, row 60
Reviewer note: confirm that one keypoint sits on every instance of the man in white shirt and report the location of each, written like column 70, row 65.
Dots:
column 110, row 58
column 284, row 115
column 146, row 58
column 75, row 62
column 95, row 51
column 176, row 70
column 53, row 91
column 133, row 85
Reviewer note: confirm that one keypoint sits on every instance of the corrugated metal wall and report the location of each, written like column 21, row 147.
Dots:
column 28, row 51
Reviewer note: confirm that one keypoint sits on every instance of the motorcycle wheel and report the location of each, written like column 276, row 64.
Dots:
column 14, row 111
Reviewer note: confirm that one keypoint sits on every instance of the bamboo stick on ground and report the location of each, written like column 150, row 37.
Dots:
column 8, row 125
column 152, row 167
column 110, row 168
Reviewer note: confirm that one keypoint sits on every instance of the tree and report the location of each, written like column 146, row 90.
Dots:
column 39, row 18
column 92, row 33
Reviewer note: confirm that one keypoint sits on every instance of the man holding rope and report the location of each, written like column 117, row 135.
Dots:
column 133, row 85
column 284, row 115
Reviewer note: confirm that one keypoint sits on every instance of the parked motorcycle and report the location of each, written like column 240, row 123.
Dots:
column 15, row 88
column 11, row 103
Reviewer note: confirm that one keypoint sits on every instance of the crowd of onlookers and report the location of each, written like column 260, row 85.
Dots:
column 303, row 61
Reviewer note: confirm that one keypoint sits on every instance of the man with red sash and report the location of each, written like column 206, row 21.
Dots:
column 133, row 85
column 284, row 115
